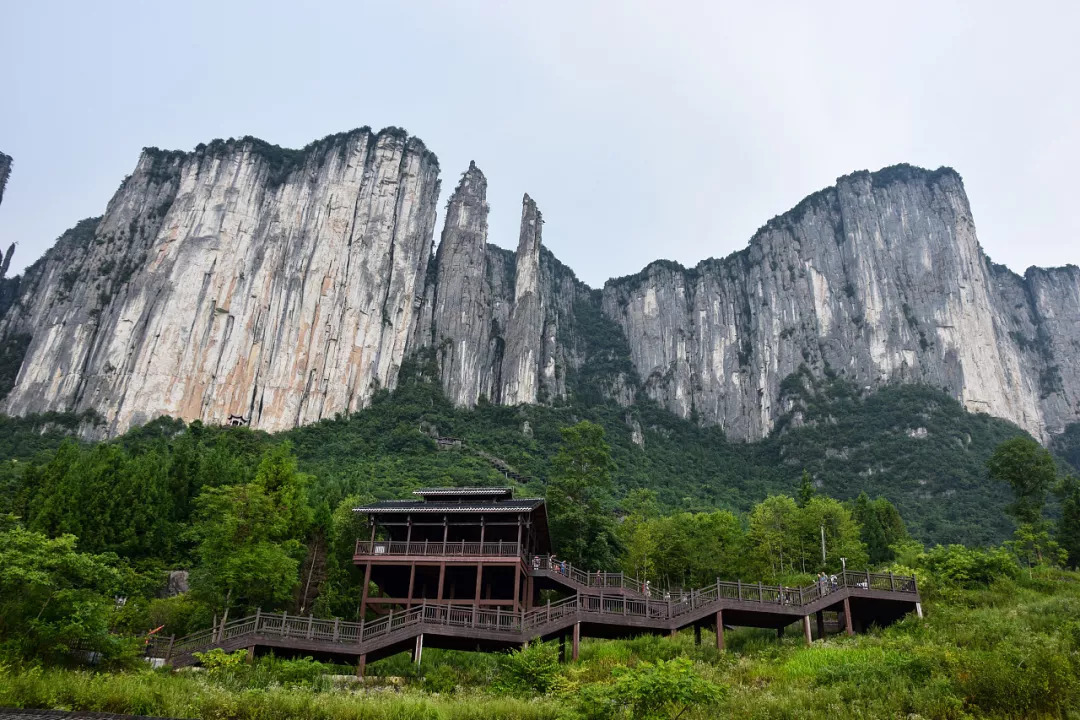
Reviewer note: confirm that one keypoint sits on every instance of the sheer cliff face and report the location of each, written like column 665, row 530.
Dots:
column 236, row 281
column 881, row 279
column 495, row 315
column 245, row 283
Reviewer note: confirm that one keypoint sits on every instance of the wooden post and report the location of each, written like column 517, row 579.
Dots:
column 892, row 582
column 258, row 617
column 364, row 591
column 479, row 575
column 250, row 658
column 408, row 535
column 337, row 622
column 310, row 619
column 820, row 624
column 760, row 597
column 419, row 649
column 412, row 582
column 442, row 577
column 867, row 578
column 284, row 617
column 172, row 639
column 517, row 582
column 697, row 634
column 847, row 617
column 445, row 532
column 576, row 641
column 360, row 663
column 719, row 629
column 780, row 632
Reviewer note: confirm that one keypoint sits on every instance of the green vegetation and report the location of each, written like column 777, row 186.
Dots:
column 88, row 531
column 1003, row 647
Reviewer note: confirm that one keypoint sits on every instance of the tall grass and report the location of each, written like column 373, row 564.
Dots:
column 1009, row 650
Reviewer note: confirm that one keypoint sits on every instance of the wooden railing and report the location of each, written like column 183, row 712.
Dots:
column 427, row 549
column 668, row 606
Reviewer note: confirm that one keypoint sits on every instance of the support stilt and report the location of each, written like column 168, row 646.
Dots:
column 719, row 629
column 360, row 663
column 847, row 617
column 806, row 629
column 418, row 651
column 576, row 641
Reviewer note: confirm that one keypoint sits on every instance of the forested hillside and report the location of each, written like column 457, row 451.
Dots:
column 911, row 444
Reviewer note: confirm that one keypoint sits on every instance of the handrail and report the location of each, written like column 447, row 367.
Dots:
column 669, row 607
column 451, row 548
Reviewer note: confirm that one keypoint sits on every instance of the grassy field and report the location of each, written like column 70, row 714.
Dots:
column 1008, row 650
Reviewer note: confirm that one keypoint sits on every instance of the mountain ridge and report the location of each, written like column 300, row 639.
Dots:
column 246, row 282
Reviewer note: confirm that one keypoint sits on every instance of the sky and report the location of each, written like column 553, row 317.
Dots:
column 643, row 130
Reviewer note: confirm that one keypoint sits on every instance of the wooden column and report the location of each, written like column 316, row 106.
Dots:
column 780, row 632
column 519, row 535
column 576, row 641
column 719, row 629
column 408, row 533
column 442, row 578
column 517, row 585
column 820, row 624
column 445, row 533
column 479, row 576
column 847, row 617
column 418, row 651
column 360, row 663
column 806, row 629
column 412, row 583
column 364, row 591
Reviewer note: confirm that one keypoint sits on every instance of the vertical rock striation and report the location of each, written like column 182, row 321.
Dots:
column 241, row 281
column 525, row 328
column 246, row 283
column 5, row 173
column 880, row 278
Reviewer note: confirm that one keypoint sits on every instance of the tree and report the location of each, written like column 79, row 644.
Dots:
column 774, row 533
column 806, row 489
column 842, row 535
column 338, row 596
column 1068, row 526
column 1029, row 469
column 579, row 498
column 881, row 526
column 54, row 598
column 248, row 537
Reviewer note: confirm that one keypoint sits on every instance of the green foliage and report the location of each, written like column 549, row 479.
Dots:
column 579, row 498
column 218, row 662
column 534, row 669
column 1068, row 527
column 54, row 598
column 1031, row 472
column 666, row 689
column 964, row 567
column 246, row 538
column 881, row 526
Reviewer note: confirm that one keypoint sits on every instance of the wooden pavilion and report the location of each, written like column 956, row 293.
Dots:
column 452, row 546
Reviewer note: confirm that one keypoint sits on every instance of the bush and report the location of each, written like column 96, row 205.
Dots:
column 532, row 669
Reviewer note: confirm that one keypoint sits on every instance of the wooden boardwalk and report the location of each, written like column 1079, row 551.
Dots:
column 603, row 610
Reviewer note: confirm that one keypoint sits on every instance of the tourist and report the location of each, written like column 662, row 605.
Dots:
column 599, row 581
column 823, row 583
column 832, row 581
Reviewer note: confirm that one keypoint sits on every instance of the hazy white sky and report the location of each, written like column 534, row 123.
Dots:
column 642, row 129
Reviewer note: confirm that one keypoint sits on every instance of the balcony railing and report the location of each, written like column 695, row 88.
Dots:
column 426, row 548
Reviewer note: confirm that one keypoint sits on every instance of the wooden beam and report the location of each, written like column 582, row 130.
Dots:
column 847, row 617
column 806, row 629
column 576, row 641
column 418, row 651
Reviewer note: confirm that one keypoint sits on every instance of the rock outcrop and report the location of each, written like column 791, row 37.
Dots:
column 880, row 278
column 249, row 284
column 238, row 283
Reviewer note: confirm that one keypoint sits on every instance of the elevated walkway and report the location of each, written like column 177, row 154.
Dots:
column 863, row 598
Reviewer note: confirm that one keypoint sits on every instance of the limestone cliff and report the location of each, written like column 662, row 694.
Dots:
column 240, row 282
column 880, row 278
column 246, row 283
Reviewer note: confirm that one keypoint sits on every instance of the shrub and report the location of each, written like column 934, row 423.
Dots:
column 532, row 669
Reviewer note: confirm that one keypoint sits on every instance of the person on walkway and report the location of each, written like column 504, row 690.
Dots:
column 832, row 581
column 599, row 581
column 823, row 583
